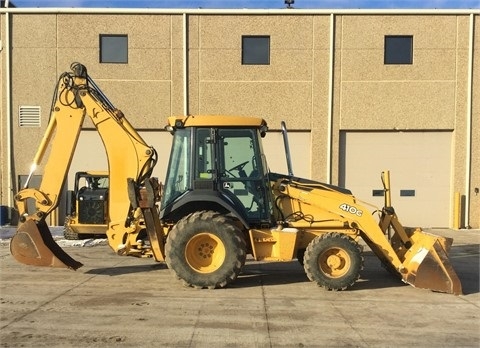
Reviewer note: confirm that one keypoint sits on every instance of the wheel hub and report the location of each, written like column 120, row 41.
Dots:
column 205, row 252
column 334, row 262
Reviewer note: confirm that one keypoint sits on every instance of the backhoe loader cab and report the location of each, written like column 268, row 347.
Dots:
column 217, row 163
column 218, row 203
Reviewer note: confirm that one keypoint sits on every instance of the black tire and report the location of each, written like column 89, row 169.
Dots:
column 205, row 250
column 68, row 233
column 333, row 261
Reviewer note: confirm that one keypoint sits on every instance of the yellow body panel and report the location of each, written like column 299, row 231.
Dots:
column 274, row 245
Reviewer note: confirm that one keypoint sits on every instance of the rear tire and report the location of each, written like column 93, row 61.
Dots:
column 206, row 250
column 68, row 233
column 333, row 261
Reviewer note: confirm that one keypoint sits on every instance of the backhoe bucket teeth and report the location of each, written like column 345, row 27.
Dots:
column 33, row 244
column 427, row 265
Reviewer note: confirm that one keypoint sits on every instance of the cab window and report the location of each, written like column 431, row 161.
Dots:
column 178, row 176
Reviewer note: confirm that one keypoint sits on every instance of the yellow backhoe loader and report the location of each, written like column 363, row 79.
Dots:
column 219, row 202
column 87, row 206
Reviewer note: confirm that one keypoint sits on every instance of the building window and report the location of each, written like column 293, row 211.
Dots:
column 114, row 49
column 256, row 50
column 407, row 193
column 399, row 49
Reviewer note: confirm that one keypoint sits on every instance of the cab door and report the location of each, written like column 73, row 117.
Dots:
column 241, row 173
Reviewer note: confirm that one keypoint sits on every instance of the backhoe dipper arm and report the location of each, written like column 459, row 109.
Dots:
column 77, row 95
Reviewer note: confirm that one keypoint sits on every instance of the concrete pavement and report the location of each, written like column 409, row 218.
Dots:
column 116, row 301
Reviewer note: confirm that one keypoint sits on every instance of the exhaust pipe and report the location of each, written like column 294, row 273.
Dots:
column 287, row 149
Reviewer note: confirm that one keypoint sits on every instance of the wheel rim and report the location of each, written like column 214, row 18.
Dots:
column 334, row 262
column 205, row 252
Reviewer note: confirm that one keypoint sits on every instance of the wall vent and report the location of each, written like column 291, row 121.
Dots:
column 29, row 116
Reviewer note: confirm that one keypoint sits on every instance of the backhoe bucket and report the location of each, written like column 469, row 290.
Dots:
column 427, row 266
column 33, row 244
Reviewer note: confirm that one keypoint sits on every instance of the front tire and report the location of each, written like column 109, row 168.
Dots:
column 333, row 261
column 206, row 250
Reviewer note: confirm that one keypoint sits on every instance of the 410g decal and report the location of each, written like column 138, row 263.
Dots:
column 351, row 209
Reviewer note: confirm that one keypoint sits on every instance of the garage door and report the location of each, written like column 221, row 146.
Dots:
column 419, row 164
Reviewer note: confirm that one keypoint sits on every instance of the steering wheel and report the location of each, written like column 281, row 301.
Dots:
column 238, row 167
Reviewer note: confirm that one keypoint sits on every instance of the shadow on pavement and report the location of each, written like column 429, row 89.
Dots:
column 465, row 260
column 373, row 276
column 121, row 270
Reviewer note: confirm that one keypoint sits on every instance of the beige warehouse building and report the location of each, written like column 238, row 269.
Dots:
column 360, row 92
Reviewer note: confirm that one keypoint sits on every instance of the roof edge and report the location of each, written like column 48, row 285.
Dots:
column 284, row 11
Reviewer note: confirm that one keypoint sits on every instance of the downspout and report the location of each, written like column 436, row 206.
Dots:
column 468, row 154
column 8, row 110
column 185, row 64
column 330, row 100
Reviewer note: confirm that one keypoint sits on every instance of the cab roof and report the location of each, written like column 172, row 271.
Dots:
column 215, row 121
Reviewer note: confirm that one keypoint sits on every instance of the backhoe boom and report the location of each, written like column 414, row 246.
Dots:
column 77, row 96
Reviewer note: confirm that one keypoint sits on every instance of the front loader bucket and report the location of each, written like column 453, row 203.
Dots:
column 427, row 266
column 33, row 244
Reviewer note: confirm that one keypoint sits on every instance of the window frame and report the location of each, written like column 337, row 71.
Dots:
column 106, row 60
column 258, row 58
column 395, row 55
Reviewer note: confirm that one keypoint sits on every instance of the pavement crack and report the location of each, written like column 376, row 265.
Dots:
column 265, row 311
column 349, row 323
column 190, row 343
